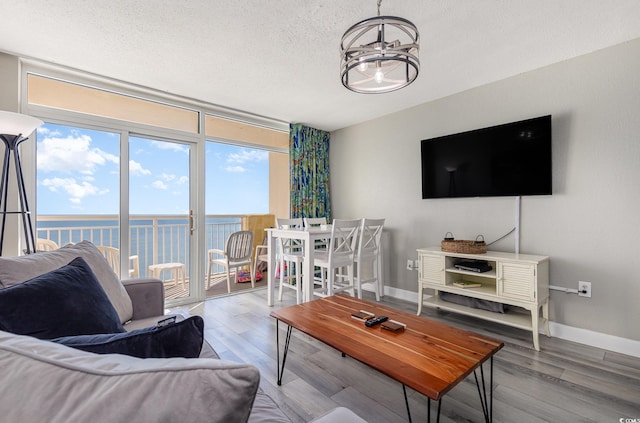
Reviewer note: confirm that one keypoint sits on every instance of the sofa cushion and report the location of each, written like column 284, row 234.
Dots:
column 181, row 339
column 339, row 414
column 14, row 270
column 66, row 301
column 63, row 384
column 265, row 410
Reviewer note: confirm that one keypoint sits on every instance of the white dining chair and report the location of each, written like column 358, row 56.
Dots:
column 339, row 255
column 368, row 254
column 314, row 221
column 290, row 254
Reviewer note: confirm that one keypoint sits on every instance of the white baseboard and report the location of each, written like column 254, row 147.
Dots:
column 558, row 330
column 595, row 339
column 401, row 294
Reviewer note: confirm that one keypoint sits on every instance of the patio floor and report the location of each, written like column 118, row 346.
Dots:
column 218, row 288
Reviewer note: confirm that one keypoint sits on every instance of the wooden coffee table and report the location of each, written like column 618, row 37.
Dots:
column 428, row 356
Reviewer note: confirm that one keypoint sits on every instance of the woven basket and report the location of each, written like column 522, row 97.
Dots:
column 464, row 246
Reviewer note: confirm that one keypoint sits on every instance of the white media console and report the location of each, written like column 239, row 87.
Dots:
column 519, row 280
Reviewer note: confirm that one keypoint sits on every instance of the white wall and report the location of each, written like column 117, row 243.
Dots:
column 590, row 226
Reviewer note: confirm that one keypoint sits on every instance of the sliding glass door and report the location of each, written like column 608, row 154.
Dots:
column 125, row 168
column 161, row 213
column 80, row 183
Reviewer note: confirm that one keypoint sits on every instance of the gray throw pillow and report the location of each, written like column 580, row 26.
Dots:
column 14, row 270
column 66, row 301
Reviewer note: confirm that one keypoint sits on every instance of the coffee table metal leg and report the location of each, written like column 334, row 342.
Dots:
column 406, row 401
column 429, row 410
column 280, row 370
column 485, row 402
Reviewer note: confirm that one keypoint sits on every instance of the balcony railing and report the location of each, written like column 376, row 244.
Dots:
column 154, row 239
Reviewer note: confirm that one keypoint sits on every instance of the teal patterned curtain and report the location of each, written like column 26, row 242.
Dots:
column 309, row 169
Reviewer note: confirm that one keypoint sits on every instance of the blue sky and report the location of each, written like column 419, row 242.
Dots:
column 78, row 173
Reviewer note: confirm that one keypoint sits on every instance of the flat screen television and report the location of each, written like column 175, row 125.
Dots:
column 513, row 159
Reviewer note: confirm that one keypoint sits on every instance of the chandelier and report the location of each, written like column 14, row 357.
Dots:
column 370, row 63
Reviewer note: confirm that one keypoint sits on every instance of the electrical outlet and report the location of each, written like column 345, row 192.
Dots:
column 409, row 264
column 584, row 289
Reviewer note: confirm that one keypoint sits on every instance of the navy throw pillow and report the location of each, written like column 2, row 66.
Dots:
column 182, row 339
column 66, row 301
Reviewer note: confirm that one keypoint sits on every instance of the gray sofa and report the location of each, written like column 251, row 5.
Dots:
column 46, row 381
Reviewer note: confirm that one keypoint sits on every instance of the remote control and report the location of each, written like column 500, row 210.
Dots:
column 375, row 321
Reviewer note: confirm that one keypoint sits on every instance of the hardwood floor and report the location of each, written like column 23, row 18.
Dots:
column 564, row 382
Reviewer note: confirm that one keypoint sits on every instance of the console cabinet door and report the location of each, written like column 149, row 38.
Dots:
column 432, row 269
column 516, row 281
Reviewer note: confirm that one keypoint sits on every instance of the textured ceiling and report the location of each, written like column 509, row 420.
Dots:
column 280, row 58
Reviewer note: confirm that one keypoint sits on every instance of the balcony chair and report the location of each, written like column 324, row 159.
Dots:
column 112, row 255
column 261, row 256
column 339, row 254
column 368, row 252
column 291, row 254
column 43, row 244
column 237, row 253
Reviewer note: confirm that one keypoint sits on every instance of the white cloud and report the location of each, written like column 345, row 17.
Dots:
column 163, row 145
column 235, row 169
column 71, row 154
column 76, row 191
column 136, row 169
column 168, row 177
column 159, row 185
column 46, row 131
column 248, row 155
column 183, row 180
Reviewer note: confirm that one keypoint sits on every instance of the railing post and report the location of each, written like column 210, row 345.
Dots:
column 155, row 240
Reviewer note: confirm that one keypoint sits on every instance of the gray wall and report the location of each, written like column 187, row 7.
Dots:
column 589, row 227
column 9, row 77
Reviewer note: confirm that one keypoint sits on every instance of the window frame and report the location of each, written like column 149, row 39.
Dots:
column 125, row 128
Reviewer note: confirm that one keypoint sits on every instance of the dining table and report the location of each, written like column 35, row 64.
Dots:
column 308, row 237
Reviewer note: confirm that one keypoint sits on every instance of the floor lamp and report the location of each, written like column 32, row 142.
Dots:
column 13, row 127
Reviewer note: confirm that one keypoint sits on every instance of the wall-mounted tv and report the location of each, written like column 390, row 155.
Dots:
column 513, row 159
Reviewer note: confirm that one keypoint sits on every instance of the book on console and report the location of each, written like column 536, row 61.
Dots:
column 467, row 284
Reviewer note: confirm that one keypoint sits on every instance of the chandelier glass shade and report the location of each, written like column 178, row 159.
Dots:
column 371, row 63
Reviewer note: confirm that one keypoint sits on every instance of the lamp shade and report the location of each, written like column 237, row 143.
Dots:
column 17, row 123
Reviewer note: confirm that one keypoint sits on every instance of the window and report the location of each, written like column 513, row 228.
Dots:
column 77, row 184
column 109, row 161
